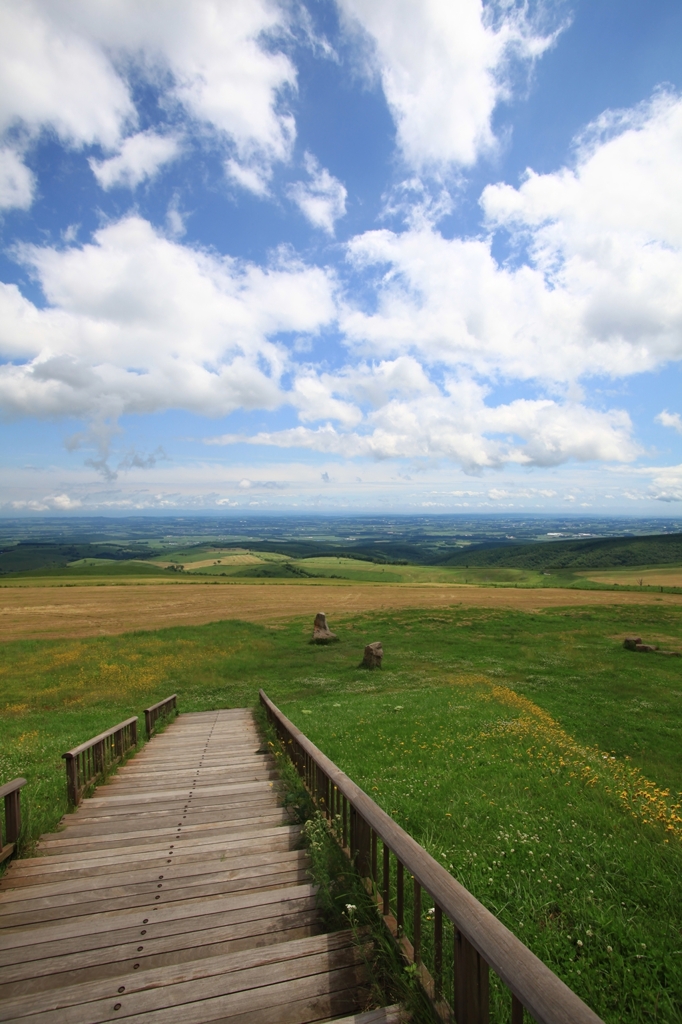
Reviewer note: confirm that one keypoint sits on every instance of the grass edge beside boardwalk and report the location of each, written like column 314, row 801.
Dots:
column 342, row 898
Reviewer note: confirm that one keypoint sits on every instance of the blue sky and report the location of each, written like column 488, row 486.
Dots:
column 357, row 255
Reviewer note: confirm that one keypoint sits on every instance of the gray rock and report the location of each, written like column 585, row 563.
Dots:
column 630, row 642
column 373, row 655
column 322, row 634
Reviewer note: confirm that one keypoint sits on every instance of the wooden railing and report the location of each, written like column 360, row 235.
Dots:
column 84, row 764
column 162, row 708
column 12, row 794
column 452, row 958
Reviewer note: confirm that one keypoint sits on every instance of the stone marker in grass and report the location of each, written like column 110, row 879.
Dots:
column 634, row 643
column 373, row 655
column 322, row 634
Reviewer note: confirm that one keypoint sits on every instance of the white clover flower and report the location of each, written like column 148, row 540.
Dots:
column 579, row 942
column 350, row 907
column 609, row 949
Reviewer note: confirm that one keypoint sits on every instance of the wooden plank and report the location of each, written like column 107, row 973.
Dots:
column 121, row 819
column 95, row 930
column 259, row 957
column 64, row 865
column 179, row 770
column 161, row 825
column 197, row 769
column 279, row 838
column 151, row 797
column 119, row 961
column 315, row 997
column 311, row 985
column 116, row 840
column 89, row 889
column 242, row 879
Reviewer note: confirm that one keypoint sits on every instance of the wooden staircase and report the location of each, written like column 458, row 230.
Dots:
column 177, row 894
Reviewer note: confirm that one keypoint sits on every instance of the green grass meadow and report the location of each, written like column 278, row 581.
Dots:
column 530, row 753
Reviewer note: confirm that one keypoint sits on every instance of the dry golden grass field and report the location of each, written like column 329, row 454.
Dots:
column 80, row 611
column 660, row 577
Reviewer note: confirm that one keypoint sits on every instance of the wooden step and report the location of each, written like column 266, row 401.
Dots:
column 177, row 894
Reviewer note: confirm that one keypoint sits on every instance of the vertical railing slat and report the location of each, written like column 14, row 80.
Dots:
column 438, row 951
column 387, row 880
column 400, row 895
column 417, row 926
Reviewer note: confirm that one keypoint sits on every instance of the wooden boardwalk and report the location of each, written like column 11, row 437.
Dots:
column 177, row 894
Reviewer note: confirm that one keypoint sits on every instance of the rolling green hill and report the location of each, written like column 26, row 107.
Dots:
column 599, row 553
column 28, row 555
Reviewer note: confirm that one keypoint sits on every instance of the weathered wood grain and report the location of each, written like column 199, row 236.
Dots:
column 178, row 892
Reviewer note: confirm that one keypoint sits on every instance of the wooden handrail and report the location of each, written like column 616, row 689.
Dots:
column 98, row 739
column 11, row 791
column 162, row 707
column 91, row 759
column 481, row 940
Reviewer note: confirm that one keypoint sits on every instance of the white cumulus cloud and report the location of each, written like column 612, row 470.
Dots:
column 598, row 291
column 135, row 322
column 16, row 181
column 670, row 419
column 442, row 65
column 458, row 426
column 140, row 156
column 64, row 67
column 322, row 199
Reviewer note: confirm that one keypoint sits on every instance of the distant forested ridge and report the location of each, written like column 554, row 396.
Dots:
column 597, row 553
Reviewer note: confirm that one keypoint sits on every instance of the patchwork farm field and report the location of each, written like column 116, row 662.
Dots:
column 525, row 748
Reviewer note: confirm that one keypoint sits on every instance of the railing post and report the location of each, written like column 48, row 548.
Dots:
column 344, row 814
column 152, row 714
column 363, row 839
column 72, row 779
column 12, row 816
column 471, row 984
column 11, row 791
